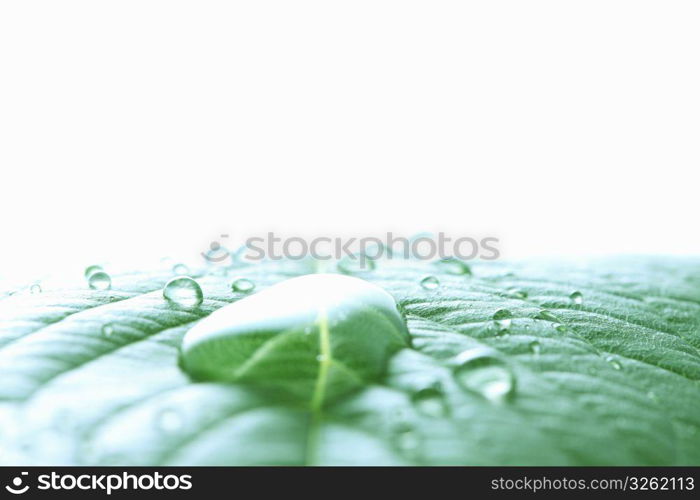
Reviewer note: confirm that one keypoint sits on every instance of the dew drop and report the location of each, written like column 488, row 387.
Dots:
column 503, row 319
column 301, row 322
column 614, row 362
column 183, row 291
column 545, row 315
column 242, row 285
column 430, row 402
column 561, row 328
column 92, row 269
column 352, row 264
column 35, row 288
column 430, row 282
column 452, row 265
column 107, row 330
column 576, row 297
column 169, row 421
column 535, row 347
column 478, row 371
column 100, row 280
column 181, row 269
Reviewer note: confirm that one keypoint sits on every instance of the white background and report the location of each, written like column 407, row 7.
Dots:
column 137, row 128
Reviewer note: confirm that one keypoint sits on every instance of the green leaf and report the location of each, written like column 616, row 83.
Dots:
column 607, row 377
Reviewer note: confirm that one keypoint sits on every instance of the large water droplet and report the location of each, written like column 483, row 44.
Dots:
column 35, row 288
column 430, row 402
column 313, row 337
column 430, row 282
column 576, row 297
column 503, row 319
column 479, row 371
column 183, row 291
column 100, row 280
column 242, row 285
column 452, row 265
column 92, row 269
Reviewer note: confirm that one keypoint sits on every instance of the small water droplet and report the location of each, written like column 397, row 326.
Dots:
column 517, row 293
column 576, row 297
column 100, row 280
column 242, row 285
column 535, row 347
column 452, row 265
column 561, row 328
column 503, row 319
column 477, row 371
column 169, row 421
column 351, row 264
column 35, row 288
column 107, row 330
column 407, row 440
column 181, row 269
column 321, row 358
column 652, row 396
column 545, row 315
column 430, row 402
column 92, row 269
column 430, row 282
column 614, row 362
column 183, row 291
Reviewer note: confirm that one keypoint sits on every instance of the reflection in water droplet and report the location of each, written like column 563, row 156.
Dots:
column 545, row 315
column 91, row 269
column 430, row 402
column 169, row 421
column 181, row 269
column 107, row 330
column 183, row 291
column 351, row 264
column 100, row 280
column 430, row 283
column 35, row 288
column 503, row 319
column 613, row 362
column 242, row 285
column 576, row 297
column 535, row 347
column 480, row 372
column 452, row 265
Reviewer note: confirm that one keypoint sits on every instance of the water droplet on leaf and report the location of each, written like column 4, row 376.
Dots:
column 181, row 269
column 35, row 288
column 242, row 285
column 107, row 330
column 183, row 291
column 452, row 265
column 503, row 319
column 407, row 440
column 92, row 269
column 169, row 421
column 545, row 315
column 430, row 283
column 614, row 362
column 517, row 293
column 430, row 402
column 483, row 373
column 576, row 297
column 100, row 280
column 314, row 337
column 535, row 347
